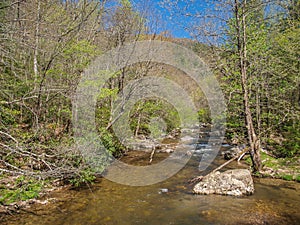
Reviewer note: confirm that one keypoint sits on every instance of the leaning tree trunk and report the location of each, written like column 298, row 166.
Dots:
column 253, row 140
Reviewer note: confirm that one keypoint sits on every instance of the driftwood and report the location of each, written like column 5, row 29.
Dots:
column 239, row 156
column 152, row 154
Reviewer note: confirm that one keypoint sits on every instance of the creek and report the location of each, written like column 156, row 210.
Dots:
column 167, row 202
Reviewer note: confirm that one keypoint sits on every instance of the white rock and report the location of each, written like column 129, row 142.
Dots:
column 236, row 182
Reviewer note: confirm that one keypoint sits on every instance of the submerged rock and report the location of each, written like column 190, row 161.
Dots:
column 168, row 150
column 232, row 152
column 235, row 182
column 163, row 190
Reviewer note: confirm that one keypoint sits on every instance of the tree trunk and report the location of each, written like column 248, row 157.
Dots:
column 36, row 46
column 253, row 141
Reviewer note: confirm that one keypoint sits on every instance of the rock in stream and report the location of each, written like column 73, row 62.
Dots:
column 235, row 182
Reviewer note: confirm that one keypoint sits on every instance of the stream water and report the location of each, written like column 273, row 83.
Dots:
column 274, row 202
column 106, row 202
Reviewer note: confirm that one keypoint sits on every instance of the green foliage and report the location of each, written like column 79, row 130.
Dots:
column 86, row 176
column 204, row 116
column 144, row 114
column 272, row 61
column 81, row 51
column 283, row 168
column 103, row 116
column 107, row 93
column 111, row 142
column 290, row 147
column 24, row 189
column 8, row 116
column 287, row 177
column 126, row 3
column 39, row 74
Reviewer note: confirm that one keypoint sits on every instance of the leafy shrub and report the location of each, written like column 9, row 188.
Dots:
column 86, row 176
column 204, row 116
column 290, row 145
column 24, row 189
column 145, row 112
column 287, row 177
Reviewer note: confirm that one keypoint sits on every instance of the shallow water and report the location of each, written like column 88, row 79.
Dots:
column 274, row 202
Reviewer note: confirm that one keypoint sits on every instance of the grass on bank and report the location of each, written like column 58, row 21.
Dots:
column 282, row 168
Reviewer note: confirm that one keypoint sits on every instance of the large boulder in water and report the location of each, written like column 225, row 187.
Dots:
column 235, row 182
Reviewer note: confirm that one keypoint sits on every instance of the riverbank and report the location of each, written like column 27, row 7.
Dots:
column 279, row 168
column 32, row 193
column 275, row 201
column 19, row 192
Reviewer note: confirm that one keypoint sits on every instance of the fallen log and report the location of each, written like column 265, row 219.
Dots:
column 199, row 178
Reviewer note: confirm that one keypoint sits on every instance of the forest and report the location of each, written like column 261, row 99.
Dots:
column 251, row 46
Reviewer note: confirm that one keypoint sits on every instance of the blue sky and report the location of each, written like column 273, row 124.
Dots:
column 173, row 22
column 176, row 24
column 164, row 15
column 170, row 23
